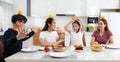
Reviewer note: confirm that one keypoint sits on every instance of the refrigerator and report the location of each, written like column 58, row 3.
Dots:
column 113, row 19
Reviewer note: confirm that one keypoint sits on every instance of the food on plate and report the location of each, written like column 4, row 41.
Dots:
column 58, row 48
column 97, row 47
column 78, row 47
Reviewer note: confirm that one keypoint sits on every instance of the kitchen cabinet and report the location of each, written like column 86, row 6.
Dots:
column 94, row 6
column 7, row 1
column 54, row 7
column 76, row 7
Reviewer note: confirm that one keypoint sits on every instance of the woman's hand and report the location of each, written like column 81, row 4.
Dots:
column 95, row 43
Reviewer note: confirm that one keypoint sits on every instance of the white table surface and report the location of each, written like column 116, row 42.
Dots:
column 108, row 55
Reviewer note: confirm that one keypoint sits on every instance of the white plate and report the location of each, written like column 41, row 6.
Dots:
column 113, row 46
column 78, row 50
column 59, row 54
column 29, row 50
column 41, row 48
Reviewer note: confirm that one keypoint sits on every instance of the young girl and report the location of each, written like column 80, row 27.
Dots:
column 61, row 35
column 77, row 34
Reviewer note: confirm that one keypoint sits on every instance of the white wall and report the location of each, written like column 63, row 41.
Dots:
column 5, row 15
column 1, row 19
column 20, row 5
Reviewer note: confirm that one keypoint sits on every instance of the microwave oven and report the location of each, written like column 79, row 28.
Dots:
column 92, row 20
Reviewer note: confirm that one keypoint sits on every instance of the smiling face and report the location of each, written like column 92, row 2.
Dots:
column 20, row 25
column 52, row 25
column 101, row 25
column 76, row 27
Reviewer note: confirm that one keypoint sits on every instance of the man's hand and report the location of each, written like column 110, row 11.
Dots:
column 22, row 34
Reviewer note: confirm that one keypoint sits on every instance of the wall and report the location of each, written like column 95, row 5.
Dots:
column 20, row 5
column 5, row 15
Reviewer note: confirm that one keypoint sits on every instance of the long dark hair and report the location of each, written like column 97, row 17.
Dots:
column 105, row 22
column 78, row 25
column 48, row 21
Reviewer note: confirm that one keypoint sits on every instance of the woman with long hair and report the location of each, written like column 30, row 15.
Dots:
column 49, row 36
column 102, row 35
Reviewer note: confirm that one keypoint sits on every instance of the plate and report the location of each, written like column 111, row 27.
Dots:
column 59, row 54
column 113, row 47
column 97, row 49
column 41, row 48
column 78, row 50
column 29, row 50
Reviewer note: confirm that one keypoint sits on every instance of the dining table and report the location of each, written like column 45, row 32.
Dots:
column 85, row 55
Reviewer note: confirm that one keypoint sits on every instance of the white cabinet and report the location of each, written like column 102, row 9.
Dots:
column 77, row 7
column 8, row 1
column 94, row 6
column 45, row 7
column 88, row 38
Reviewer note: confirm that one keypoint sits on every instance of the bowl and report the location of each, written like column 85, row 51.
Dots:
column 97, row 48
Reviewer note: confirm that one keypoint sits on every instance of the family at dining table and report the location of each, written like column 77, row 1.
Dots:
column 48, row 36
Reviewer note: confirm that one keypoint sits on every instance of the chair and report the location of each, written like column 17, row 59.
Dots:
column 1, row 48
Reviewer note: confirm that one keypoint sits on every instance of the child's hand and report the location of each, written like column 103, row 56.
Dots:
column 61, row 40
column 36, row 29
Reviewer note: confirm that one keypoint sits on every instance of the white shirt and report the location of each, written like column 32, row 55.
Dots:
column 49, row 36
column 76, row 38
